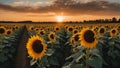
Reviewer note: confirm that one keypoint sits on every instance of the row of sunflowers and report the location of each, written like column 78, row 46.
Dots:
column 10, row 36
column 73, row 45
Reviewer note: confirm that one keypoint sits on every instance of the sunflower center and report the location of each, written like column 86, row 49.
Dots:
column 76, row 37
column 32, row 28
column 75, row 31
column 16, row 27
column 42, row 33
column 37, row 29
column 37, row 46
column 113, row 31
column 102, row 30
column 70, row 29
column 8, row 32
column 52, row 36
column 2, row 30
column 89, row 36
column 13, row 28
column 66, row 27
column 57, row 28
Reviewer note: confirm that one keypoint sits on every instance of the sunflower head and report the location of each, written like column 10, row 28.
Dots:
column 57, row 29
column 75, row 38
column 16, row 27
column 75, row 31
column 31, row 28
column 36, row 29
column 66, row 27
column 13, row 29
column 118, row 27
column 52, row 37
column 70, row 29
column 75, row 50
column 113, row 32
column 102, row 30
column 36, row 47
column 8, row 32
column 2, row 30
column 42, row 32
column 88, row 38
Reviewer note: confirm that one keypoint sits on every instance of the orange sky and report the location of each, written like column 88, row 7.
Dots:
column 15, row 16
column 69, row 10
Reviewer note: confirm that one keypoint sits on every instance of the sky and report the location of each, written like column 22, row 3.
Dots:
column 50, row 10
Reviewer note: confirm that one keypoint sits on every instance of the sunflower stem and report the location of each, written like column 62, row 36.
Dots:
column 40, row 65
column 87, row 58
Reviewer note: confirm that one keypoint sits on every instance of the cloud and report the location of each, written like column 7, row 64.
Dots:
column 86, row 1
column 69, row 7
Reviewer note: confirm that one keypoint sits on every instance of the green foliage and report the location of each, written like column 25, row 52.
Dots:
column 60, row 54
column 8, row 48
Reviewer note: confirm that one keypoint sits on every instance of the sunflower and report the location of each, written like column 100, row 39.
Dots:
column 31, row 28
column 75, row 50
column 8, row 32
column 42, row 32
column 75, row 38
column 13, row 29
column 66, row 27
column 57, row 29
column 2, row 30
column 118, row 27
column 36, row 47
column 36, row 29
column 102, row 30
column 113, row 32
column 75, row 31
column 70, row 29
column 88, row 38
column 52, row 37
column 16, row 27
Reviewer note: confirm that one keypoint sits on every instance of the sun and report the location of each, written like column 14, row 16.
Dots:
column 60, row 18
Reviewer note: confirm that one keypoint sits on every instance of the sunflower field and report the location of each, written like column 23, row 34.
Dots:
column 60, row 45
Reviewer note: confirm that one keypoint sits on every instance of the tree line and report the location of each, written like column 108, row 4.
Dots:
column 112, row 20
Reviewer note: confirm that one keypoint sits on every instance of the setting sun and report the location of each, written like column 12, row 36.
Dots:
column 60, row 18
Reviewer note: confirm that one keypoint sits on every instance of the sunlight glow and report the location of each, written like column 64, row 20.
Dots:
column 60, row 18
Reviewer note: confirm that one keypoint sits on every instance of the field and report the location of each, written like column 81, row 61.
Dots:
column 59, row 45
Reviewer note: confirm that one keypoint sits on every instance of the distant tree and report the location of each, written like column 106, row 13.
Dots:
column 119, row 20
column 84, row 21
column 114, row 19
column 107, row 21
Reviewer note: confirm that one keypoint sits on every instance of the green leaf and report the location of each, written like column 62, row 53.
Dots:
column 96, row 62
column 77, row 66
column 3, row 58
column 66, row 66
column 53, row 61
column 45, row 60
column 101, row 41
column 81, row 56
column 32, row 62
column 50, row 52
column 111, row 42
column 5, row 42
column 117, row 46
column 9, row 55
column 94, row 52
